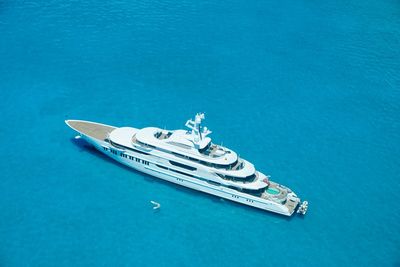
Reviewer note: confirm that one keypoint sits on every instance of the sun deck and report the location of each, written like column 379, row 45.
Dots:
column 91, row 129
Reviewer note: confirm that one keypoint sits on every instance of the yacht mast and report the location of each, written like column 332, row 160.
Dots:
column 198, row 134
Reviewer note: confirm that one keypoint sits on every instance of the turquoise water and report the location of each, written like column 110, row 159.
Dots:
column 307, row 91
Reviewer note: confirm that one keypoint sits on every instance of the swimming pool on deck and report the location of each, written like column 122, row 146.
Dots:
column 273, row 191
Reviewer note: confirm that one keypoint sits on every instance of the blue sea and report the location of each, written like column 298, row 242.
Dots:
column 309, row 91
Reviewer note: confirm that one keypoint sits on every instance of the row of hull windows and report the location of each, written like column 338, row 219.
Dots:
column 113, row 151
column 248, row 200
column 123, row 155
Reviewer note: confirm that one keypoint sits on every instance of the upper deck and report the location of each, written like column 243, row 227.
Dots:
column 179, row 141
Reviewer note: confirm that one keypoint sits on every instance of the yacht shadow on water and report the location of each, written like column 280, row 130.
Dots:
column 86, row 147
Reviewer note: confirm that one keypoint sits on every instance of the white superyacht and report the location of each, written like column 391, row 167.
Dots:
column 189, row 158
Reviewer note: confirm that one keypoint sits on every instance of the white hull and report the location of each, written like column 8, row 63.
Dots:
column 193, row 183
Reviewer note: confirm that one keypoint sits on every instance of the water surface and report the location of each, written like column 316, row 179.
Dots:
column 307, row 91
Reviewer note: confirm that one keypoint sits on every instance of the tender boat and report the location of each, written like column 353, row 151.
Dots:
column 156, row 205
column 189, row 158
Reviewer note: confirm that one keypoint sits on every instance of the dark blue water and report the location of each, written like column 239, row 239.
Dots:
column 308, row 91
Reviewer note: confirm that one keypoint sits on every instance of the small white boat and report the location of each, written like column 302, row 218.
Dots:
column 303, row 208
column 156, row 205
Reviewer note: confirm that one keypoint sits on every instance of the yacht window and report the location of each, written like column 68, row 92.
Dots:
column 162, row 167
column 204, row 149
column 161, row 135
column 213, row 183
column 124, row 147
column 247, row 179
column 181, row 173
column 182, row 165
column 256, row 192
column 145, row 145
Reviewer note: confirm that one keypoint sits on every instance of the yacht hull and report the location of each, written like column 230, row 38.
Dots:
column 149, row 165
